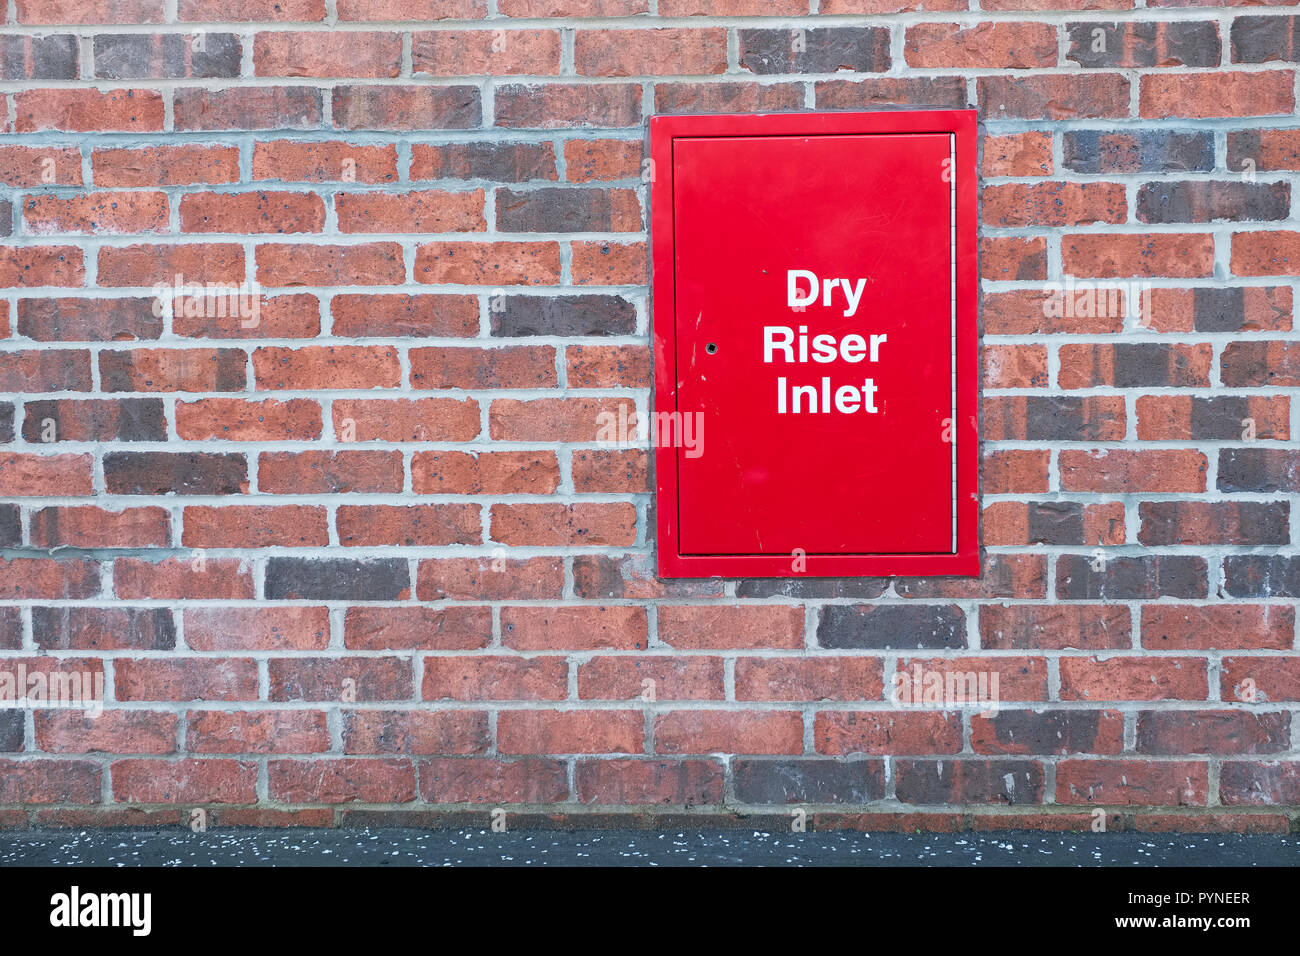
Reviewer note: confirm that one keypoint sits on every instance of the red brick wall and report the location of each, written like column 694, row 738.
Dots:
column 364, row 558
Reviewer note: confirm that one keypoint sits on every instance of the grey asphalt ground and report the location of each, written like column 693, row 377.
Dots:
column 480, row 847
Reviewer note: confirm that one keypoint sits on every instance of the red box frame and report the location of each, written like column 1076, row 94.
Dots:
column 965, row 560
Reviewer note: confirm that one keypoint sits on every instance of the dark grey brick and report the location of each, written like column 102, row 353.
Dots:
column 1262, row 575
column 934, row 782
column 516, row 316
column 181, row 473
column 1211, row 201
column 1055, row 522
column 38, row 58
column 823, row 50
column 11, row 730
column 168, row 56
column 809, row 781
column 103, row 629
column 11, row 529
column 1147, row 151
column 338, row 579
column 812, row 588
column 891, row 626
column 1130, row 578
column 1262, row 39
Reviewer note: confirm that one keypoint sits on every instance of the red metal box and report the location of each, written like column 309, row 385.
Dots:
column 815, row 344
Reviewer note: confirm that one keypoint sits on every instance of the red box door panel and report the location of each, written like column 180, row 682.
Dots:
column 872, row 209
column 814, row 314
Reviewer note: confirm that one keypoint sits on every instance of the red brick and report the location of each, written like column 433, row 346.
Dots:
column 149, row 265
column 232, row 316
column 422, row 211
column 1124, row 472
column 728, row 731
column 414, row 315
column 488, row 263
column 417, row 628
column 49, row 781
column 330, row 679
column 255, row 526
column 487, row 472
column 1011, row 472
column 113, row 732
column 327, row 53
column 475, row 53
column 561, row 105
column 644, row 782
column 1014, row 366
column 610, row 472
column 490, row 579
column 248, row 108
column 731, row 627
column 327, row 366
column 166, row 166
column 386, row 107
column 578, row 628
column 233, row 419
column 257, row 628
column 193, row 578
column 670, row 51
column 555, row 525
column 23, row 166
column 326, row 162
column 1054, row 96
column 1015, row 46
column 1012, row 257
column 184, row 679
column 1260, row 679
column 33, row 266
column 415, row 732
column 842, row 732
column 96, row 214
column 1133, row 678
column 554, row 419
column 257, row 732
column 341, row 781
column 831, row 678
column 420, row 419
column 1179, row 627
column 383, row 10
column 1111, row 255
column 525, row 366
column 88, row 526
column 374, row 263
column 1207, row 95
column 55, row 12
column 89, row 110
column 1018, row 154
column 1053, row 204
column 24, row 475
column 651, row 678
column 1111, row 782
column 491, row 781
column 570, row 732
column 409, row 525
column 329, row 472
column 608, row 263
column 187, row 781
column 252, row 212
column 497, row 677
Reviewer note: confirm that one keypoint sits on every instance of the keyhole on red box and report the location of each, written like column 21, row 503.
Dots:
column 711, row 348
